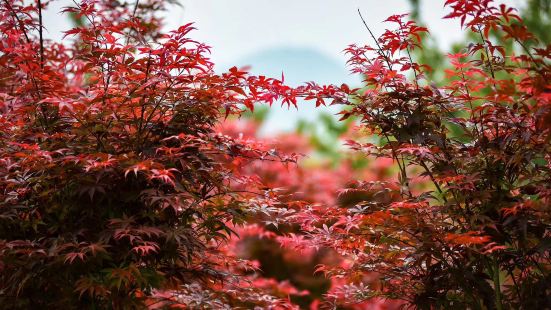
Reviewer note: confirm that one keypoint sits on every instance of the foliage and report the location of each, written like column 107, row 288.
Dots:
column 466, row 223
column 114, row 184
column 127, row 181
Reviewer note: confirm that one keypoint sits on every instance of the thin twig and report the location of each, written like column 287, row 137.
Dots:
column 484, row 43
column 40, row 26
column 413, row 67
column 379, row 49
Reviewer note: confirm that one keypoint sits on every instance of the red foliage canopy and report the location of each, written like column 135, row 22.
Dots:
column 117, row 190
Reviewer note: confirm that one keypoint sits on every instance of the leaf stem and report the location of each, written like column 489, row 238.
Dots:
column 497, row 285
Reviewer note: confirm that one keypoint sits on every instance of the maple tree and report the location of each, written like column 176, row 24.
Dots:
column 466, row 222
column 114, row 183
column 127, row 182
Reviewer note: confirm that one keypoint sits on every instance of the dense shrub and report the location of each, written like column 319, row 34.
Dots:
column 466, row 223
column 113, row 181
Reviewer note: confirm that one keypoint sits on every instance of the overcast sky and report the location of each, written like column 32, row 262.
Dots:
column 236, row 28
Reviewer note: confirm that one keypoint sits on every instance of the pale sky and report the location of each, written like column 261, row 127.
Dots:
column 236, row 28
column 239, row 27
